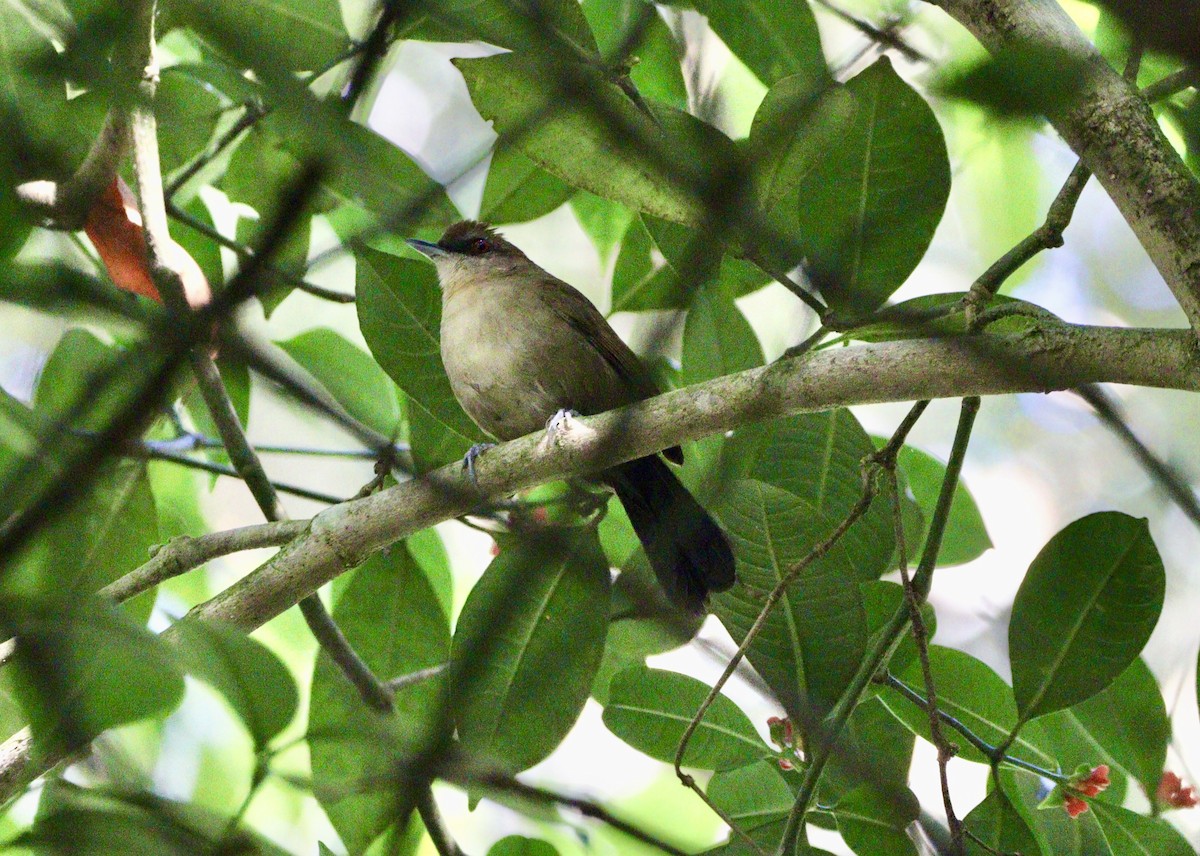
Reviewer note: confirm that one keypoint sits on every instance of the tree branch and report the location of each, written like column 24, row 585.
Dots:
column 1046, row 357
column 1114, row 132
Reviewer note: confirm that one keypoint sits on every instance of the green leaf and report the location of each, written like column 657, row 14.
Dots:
column 815, row 637
column 1087, row 606
column 400, row 311
column 305, row 35
column 604, row 221
column 874, row 822
column 630, row 641
column 752, row 795
column 863, row 206
column 996, row 824
column 650, row 709
column 187, row 112
column 882, row 599
column 519, row 845
column 656, row 72
column 817, row 457
column 392, row 617
column 689, row 261
column 527, row 646
column 1132, row 834
column 1125, row 726
column 517, row 189
column 84, row 668
column 550, row 27
column 875, row 750
column 1056, row 833
column 773, row 38
column 651, row 165
column 430, row 554
column 256, row 684
column 717, row 339
column 966, row 535
column 353, row 379
column 203, row 249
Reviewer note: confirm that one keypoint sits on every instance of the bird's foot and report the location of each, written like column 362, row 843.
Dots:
column 469, row 459
column 558, row 427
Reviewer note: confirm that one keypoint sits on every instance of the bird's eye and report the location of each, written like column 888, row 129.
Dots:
column 480, row 246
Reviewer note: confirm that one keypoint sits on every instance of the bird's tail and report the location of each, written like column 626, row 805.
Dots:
column 687, row 550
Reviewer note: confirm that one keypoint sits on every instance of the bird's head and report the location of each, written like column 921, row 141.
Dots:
column 471, row 252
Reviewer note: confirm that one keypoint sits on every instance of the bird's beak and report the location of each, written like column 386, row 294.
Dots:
column 425, row 248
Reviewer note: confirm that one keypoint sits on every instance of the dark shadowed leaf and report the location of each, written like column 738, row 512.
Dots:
column 527, row 646
column 1087, row 606
column 84, row 667
column 717, row 339
column 651, row 165
column 256, row 684
column 305, row 34
column 392, row 617
column 874, row 822
column 753, row 795
column 1028, row 82
column 650, row 709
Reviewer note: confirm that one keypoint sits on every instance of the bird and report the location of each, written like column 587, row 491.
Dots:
column 521, row 346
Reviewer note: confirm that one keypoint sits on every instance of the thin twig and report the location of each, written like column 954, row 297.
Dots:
column 225, row 470
column 443, row 843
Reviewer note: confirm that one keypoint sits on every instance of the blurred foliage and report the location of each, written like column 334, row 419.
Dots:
column 599, row 106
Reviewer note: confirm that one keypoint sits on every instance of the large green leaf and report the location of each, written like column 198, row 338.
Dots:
column 774, row 38
column 82, row 667
column 527, row 646
column 256, row 684
column 860, row 185
column 972, row 693
column 547, row 27
column 187, row 113
column 814, row 638
column 400, row 311
column 717, row 339
column 650, row 709
column 752, row 795
column 305, row 35
column 816, row 457
column 392, row 617
column 575, row 124
column 1087, row 606
column 354, row 379
column 518, row 845
column 1056, row 833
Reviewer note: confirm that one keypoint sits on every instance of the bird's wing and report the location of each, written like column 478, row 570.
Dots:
column 583, row 315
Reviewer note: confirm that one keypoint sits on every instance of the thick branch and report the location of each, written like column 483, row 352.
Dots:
column 1114, row 132
column 1052, row 357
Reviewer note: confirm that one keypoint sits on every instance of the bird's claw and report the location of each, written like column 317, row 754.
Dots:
column 469, row 459
column 558, row 426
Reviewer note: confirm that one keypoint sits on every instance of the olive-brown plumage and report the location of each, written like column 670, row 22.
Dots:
column 519, row 345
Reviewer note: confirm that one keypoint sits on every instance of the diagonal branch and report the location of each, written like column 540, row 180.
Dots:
column 1114, row 132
